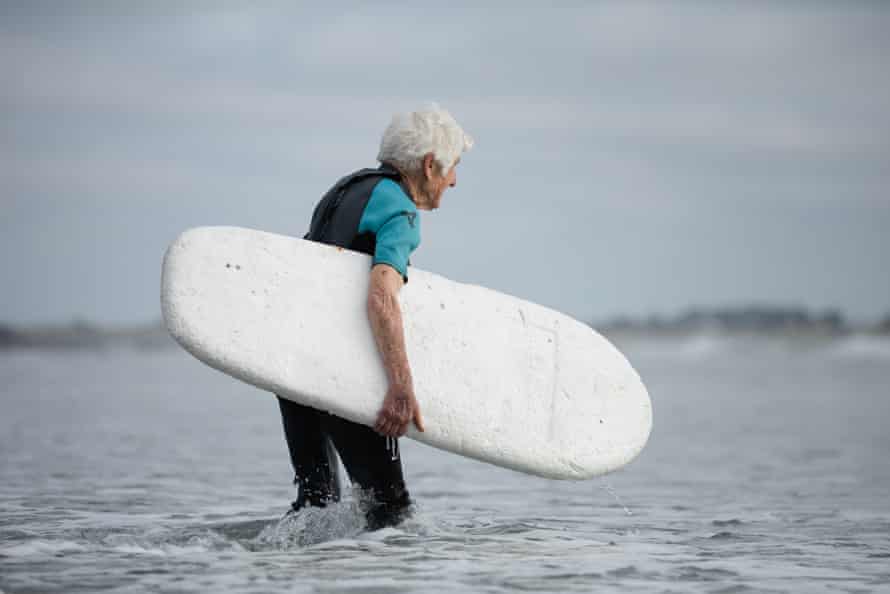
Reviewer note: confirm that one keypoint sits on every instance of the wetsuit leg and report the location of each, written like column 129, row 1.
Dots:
column 372, row 462
column 311, row 454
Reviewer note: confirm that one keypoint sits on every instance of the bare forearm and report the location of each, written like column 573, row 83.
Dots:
column 385, row 317
column 400, row 405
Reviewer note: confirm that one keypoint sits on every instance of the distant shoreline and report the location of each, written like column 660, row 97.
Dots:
column 81, row 334
column 752, row 320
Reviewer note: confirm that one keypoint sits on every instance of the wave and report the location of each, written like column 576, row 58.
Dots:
column 862, row 347
column 42, row 547
column 312, row 526
column 715, row 345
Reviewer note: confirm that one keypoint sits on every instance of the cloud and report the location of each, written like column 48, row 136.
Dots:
column 701, row 78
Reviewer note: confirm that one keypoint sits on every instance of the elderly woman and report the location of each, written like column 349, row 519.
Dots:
column 375, row 211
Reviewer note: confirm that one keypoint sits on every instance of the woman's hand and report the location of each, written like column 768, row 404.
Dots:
column 399, row 409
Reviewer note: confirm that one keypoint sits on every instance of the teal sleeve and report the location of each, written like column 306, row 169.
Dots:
column 395, row 242
column 393, row 218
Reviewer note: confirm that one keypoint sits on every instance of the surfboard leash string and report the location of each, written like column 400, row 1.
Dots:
column 392, row 446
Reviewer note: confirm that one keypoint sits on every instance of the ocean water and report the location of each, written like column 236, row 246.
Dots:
column 768, row 470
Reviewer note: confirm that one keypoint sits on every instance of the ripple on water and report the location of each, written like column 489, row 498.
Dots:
column 693, row 573
column 730, row 522
column 725, row 535
column 734, row 589
column 495, row 529
column 632, row 572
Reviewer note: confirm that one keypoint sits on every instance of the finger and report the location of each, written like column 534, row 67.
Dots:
column 378, row 424
column 405, row 417
column 418, row 419
column 399, row 426
column 382, row 420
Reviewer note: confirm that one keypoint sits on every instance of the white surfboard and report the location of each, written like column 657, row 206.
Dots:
column 498, row 379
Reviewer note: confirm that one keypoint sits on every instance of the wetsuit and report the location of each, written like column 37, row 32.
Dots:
column 367, row 211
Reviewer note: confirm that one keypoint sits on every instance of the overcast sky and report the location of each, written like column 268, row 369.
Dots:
column 631, row 158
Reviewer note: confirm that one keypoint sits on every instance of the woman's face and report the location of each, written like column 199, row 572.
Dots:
column 435, row 183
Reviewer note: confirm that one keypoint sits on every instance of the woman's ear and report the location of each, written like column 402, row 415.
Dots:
column 429, row 162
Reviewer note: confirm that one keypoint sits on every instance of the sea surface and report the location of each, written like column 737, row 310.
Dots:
column 768, row 470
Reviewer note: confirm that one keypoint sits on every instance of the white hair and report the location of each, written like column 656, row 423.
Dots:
column 411, row 136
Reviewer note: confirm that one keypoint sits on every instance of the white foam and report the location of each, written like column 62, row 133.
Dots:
column 42, row 547
column 314, row 526
column 168, row 543
column 862, row 347
column 694, row 347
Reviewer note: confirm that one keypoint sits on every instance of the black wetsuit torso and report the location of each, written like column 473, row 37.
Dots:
column 336, row 218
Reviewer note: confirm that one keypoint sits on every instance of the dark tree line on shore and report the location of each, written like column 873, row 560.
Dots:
column 748, row 319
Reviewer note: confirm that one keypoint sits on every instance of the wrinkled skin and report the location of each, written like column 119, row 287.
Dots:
column 400, row 407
